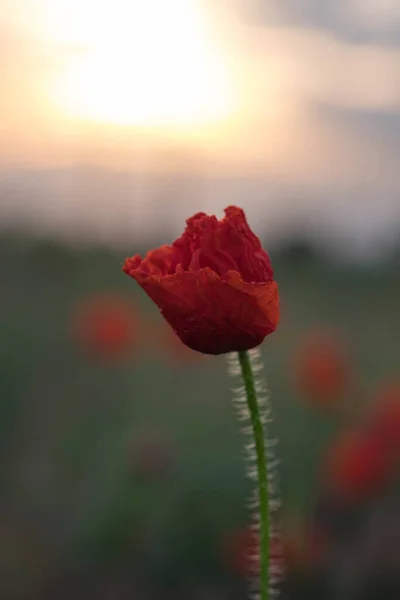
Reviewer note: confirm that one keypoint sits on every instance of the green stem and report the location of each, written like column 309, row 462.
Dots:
column 258, row 431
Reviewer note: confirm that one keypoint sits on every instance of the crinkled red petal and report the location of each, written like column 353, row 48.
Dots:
column 212, row 314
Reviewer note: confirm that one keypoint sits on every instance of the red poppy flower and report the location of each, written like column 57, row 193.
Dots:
column 164, row 341
column 214, row 285
column 106, row 326
column 385, row 417
column 357, row 465
column 177, row 352
column 321, row 369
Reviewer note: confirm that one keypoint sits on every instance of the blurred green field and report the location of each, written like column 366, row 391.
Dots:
column 67, row 424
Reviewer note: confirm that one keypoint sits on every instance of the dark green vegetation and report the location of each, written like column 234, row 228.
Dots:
column 74, row 507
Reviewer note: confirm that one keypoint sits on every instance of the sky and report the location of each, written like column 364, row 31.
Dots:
column 121, row 118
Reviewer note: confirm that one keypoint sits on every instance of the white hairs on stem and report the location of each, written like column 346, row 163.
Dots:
column 276, row 561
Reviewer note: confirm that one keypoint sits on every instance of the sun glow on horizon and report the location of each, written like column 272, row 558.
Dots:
column 147, row 64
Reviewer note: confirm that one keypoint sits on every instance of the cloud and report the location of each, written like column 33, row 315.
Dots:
column 358, row 21
column 312, row 65
column 304, row 92
column 377, row 15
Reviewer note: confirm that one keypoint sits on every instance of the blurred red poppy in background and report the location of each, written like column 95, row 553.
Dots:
column 357, row 465
column 303, row 546
column 106, row 326
column 316, row 545
column 385, row 417
column 214, row 285
column 150, row 456
column 322, row 369
column 240, row 551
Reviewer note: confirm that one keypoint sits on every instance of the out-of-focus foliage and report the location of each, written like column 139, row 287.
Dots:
column 124, row 478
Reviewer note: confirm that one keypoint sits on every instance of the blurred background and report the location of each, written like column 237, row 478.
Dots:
column 122, row 472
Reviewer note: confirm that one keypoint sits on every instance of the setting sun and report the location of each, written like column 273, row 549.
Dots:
column 148, row 64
